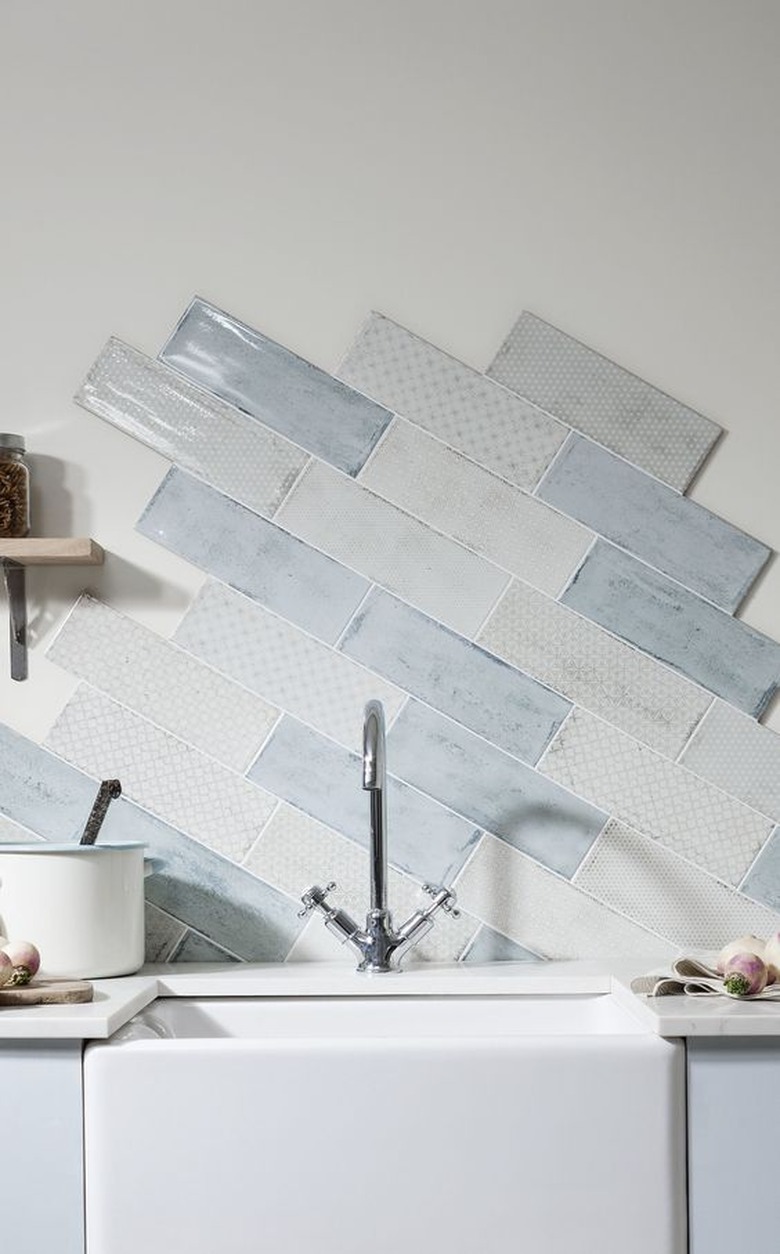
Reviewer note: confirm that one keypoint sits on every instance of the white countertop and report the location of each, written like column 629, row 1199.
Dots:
column 117, row 1000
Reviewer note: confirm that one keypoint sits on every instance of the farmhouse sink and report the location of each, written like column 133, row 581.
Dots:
column 550, row 1124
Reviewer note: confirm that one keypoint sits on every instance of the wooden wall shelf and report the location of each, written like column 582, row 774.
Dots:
column 78, row 551
column 15, row 555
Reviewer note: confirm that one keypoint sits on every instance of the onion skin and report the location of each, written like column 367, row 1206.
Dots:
column 742, row 945
column 6, row 968
column 25, row 961
column 745, row 974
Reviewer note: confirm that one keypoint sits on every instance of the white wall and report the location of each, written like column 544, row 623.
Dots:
column 610, row 165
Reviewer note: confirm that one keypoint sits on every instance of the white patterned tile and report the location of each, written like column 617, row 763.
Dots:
column 366, row 533
column 155, row 678
column 546, row 914
column 591, row 393
column 163, row 774
column 733, row 751
column 658, row 797
column 659, row 890
column 476, row 508
column 452, row 401
column 195, row 430
column 296, row 851
column 270, row 656
column 594, row 669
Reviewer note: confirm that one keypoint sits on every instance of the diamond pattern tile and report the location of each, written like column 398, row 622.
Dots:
column 155, row 678
column 738, row 754
column 452, row 401
column 270, row 656
column 197, row 431
column 603, row 400
column 548, row 915
column 667, row 894
column 163, row 774
column 655, row 796
column 594, row 669
column 476, row 508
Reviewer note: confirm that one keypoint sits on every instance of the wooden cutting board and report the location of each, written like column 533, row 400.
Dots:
column 47, row 993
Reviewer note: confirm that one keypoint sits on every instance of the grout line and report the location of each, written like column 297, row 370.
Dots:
column 559, row 453
column 383, row 437
column 340, row 638
column 571, row 578
column 746, row 876
column 694, row 733
column 297, row 479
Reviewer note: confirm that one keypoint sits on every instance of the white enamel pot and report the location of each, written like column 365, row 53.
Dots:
column 82, row 906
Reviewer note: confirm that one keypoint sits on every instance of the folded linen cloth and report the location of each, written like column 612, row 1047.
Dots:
column 695, row 978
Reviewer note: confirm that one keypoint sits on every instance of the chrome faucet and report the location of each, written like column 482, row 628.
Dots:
column 381, row 947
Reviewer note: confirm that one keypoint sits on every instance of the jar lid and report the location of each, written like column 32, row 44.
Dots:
column 12, row 441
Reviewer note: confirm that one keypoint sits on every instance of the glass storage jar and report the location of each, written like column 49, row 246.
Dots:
column 14, row 488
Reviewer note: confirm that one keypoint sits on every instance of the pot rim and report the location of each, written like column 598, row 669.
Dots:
column 47, row 847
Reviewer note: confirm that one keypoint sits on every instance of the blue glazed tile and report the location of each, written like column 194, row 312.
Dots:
column 252, row 555
column 325, row 781
column 721, row 653
column 762, row 881
column 194, row 885
column 270, row 383
column 454, row 676
column 490, row 946
column 492, row 790
column 196, row 948
column 653, row 522
column 606, row 402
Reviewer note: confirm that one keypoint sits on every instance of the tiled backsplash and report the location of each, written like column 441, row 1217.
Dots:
column 507, row 561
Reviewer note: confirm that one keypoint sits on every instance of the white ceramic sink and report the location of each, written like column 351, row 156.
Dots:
column 337, row 1125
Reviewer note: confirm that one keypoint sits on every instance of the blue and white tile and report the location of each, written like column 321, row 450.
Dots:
column 601, row 399
column 201, row 434
column 454, row 676
column 194, row 947
column 366, row 533
column 548, row 915
column 475, row 507
column 273, row 385
column 452, row 401
column 325, row 781
column 173, row 780
column 40, row 793
column 652, row 521
column 252, row 555
column 491, row 789
column 738, row 754
column 721, row 653
column 657, row 889
column 762, row 881
column 490, row 946
column 268, row 655
column 296, row 851
column 594, row 669
column 655, row 796
column 150, row 675
column 205, row 891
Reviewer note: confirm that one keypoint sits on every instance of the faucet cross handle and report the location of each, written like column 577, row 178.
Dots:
column 445, row 899
column 314, row 897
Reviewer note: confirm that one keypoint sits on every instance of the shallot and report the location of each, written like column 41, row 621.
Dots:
column 743, row 945
column 745, row 974
column 25, row 961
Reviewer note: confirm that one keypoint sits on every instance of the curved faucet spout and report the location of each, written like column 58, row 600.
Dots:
column 374, row 745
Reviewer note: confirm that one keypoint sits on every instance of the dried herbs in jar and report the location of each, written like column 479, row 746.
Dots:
column 14, row 488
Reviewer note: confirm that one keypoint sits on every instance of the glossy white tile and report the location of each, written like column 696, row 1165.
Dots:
column 655, row 796
column 475, row 507
column 163, row 683
column 364, row 532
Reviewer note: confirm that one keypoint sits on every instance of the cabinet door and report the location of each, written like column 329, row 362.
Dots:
column 41, row 1131
column 733, row 1119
